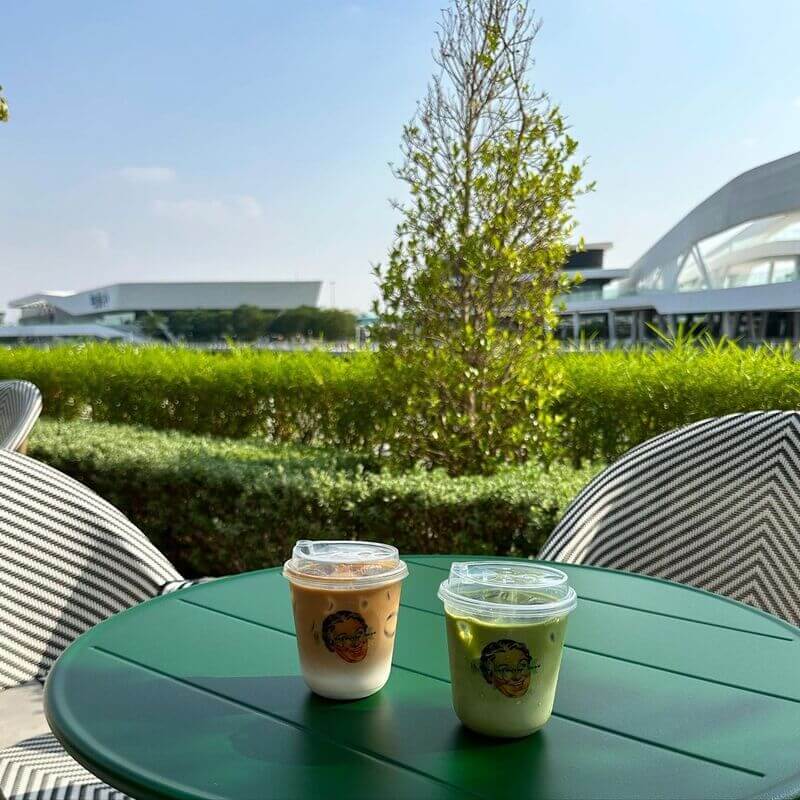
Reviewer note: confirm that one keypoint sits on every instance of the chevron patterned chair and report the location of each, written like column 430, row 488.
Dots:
column 714, row 505
column 20, row 406
column 69, row 560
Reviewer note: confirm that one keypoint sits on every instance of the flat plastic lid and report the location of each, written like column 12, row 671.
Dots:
column 507, row 590
column 344, row 564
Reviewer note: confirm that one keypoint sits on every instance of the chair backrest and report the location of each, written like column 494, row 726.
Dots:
column 20, row 406
column 68, row 560
column 714, row 505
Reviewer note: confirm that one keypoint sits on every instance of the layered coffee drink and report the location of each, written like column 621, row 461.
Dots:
column 345, row 598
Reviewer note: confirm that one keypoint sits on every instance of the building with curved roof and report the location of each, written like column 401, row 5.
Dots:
column 730, row 266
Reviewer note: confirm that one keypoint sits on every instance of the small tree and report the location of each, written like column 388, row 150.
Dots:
column 466, row 299
column 336, row 325
column 293, row 322
column 250, row 322
column 3, row 107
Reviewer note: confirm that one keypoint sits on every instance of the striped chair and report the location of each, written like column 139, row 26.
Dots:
column 20, row 406
column 715, row 505
column 68, row 560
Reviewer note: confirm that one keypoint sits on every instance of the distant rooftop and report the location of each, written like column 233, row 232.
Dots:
column 595, row 246
column 594, row 273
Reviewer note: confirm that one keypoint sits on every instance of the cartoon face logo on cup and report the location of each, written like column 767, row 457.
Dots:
column 506, row 665
column 346, row 634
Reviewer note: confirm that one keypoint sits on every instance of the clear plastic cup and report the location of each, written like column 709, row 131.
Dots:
column 505, row 633
column 345, row 598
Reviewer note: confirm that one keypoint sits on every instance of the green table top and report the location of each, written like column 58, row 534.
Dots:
column 665, row 691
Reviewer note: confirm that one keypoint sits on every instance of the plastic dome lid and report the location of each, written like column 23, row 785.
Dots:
column 344, row 564
column 507, row 590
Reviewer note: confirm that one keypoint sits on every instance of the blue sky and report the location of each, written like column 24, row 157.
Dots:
column 249, row 139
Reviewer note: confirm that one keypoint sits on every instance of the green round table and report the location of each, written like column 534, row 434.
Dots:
column 665, row 691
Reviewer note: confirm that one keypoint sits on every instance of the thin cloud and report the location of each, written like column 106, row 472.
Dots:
column 247, row 206
column 209, row 212
column 147, row 174
column 92, row 239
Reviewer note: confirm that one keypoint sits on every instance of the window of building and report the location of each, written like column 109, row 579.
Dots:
column 691, row 278
column 118, row 320
column 790, row 230
column 784, row 269
column 613, row 289
column 623, row 325
column 594, row 326
column 652, row 281
column 718, row 241
column 754, row 273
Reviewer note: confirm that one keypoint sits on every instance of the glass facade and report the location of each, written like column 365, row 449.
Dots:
column 651, row 282
column 751, row 254
column 692, row 276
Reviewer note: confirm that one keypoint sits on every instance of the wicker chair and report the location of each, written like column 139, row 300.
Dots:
column 714, row 505
column 69, row 560
column 20, row 406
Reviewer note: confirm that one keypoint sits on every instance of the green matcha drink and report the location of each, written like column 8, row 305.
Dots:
column 505, row 633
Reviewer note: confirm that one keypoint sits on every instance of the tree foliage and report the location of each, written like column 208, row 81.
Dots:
column 3, row 107
column 248, row 323
column 467, row 296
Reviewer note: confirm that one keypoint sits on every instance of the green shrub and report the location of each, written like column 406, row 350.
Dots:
column 216, row 506
column 610, row 400
column 616, row 399
column 247, row 323
column 285, row 397
column 319, row 323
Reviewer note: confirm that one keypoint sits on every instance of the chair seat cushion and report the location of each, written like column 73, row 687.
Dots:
column 32, row 762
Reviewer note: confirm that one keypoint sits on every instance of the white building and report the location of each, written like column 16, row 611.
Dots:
column 731, row 266
column 112, row 312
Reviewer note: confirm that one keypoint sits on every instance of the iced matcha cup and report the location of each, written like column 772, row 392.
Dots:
column 505, row 634
column 345, row 598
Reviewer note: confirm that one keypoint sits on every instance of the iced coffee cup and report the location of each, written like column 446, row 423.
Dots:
column 505, row 634
column 345, row 597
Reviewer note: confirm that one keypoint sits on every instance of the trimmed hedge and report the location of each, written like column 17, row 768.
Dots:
column 616, row 399
column 611, row 400
column 216, row 506
column 303, row 397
